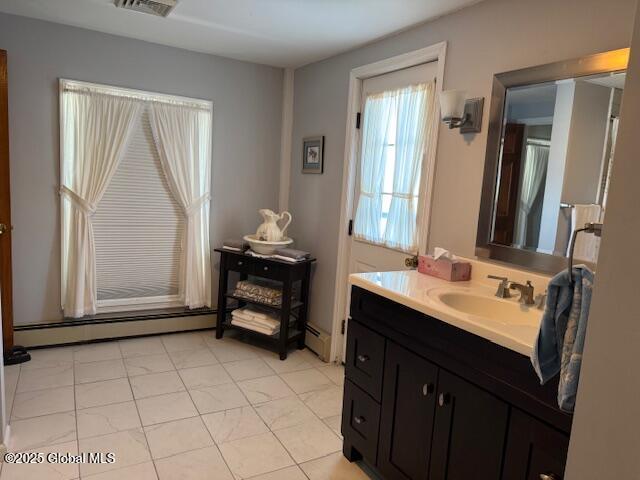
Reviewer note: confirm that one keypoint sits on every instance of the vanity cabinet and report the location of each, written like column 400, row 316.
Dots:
column 424, row 400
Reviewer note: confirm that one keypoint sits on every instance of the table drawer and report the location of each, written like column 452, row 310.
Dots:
column 365, row 359
column 361, row 421
column 271, row 271
column 240, row 264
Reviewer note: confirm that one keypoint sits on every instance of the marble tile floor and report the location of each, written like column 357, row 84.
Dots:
column 178, row 407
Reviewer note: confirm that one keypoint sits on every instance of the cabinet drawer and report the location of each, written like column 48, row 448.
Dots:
column 360, row 421
column 365, row 359
column 240, row 264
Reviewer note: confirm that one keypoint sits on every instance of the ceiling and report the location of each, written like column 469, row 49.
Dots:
column 284, row 33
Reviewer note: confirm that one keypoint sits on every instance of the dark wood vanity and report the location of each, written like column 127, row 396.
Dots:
column 426, row 400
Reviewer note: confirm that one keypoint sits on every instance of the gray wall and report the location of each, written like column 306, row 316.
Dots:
column 247, row 101
column 492, row 36
column 605, row 437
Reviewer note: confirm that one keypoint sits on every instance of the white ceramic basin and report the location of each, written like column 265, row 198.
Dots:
column 508, row 312
column 266, row 248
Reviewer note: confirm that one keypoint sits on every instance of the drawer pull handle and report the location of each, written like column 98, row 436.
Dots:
column 444, row 399
column 266, row 269
column 427, row 389
column 240, row 263
column 359, row 420
column 363, row 358
column 549, row 476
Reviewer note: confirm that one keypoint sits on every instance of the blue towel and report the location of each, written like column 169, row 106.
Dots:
column 560, row 340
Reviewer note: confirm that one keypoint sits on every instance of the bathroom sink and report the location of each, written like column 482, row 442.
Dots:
column 493, row 309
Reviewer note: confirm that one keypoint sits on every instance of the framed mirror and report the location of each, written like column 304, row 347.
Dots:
column 550, row 146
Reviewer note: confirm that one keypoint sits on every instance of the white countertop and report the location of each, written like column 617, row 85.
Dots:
column 420, row 292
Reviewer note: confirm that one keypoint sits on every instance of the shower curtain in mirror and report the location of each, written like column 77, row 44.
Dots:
column 402, row 118
column 535, row 169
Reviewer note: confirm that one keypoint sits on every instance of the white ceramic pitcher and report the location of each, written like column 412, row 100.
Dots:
column 269, row 230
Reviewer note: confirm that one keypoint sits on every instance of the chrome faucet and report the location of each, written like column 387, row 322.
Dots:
column 503, row 288
column 526, row 292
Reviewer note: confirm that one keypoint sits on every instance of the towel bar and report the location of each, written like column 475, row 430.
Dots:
column 595, row 228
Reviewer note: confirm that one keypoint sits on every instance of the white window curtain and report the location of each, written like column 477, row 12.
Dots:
column 411, row 111
column 372, row 162
column 535, row 168
column 183, row 138
column 415, row 111
column 95, row 132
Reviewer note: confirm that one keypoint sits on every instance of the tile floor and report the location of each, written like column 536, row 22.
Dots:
column 182, row 406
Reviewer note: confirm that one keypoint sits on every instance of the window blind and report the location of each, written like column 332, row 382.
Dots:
column 138, row 229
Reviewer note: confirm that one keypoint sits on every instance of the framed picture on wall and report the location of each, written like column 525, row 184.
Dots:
column 313, row 154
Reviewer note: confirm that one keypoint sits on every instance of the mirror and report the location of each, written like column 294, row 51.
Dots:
column 551, row 143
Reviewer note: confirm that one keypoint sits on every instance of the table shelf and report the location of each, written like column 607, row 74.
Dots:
column 295, row 304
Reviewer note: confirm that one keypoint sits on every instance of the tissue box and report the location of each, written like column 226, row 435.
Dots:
column 453, row 271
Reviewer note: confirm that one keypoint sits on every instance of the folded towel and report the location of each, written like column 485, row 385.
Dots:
column 255, row 297
column 587, row 246
column 287, row 259
column 560, row 341
column 266, row 322
column 292, row 253
column 272, row 326
column 256, row 328
column 255, row 313
column 257, row 287
column 235, row 244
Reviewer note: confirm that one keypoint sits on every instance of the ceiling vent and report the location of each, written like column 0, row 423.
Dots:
column 160, row 8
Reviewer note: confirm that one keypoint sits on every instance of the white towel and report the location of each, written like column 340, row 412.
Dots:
column 255, row 313
column 587, row 246
column 264, row 323
column 267, row 321
column 251, row 326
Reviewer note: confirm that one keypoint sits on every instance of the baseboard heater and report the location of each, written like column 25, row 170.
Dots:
column 318, row 341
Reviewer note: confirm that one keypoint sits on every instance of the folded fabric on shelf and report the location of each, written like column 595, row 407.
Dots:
column 285, row 259
column 235, row 244
column 266, row 321
column 259, row 287
column 255, row 297
column 252, row 326
column 256, row 312
column 297, row 255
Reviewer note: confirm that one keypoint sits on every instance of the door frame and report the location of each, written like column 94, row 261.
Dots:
column 433, row 53
column 6, row 276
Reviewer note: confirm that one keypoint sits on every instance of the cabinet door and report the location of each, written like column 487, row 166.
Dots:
column 408, row 404
column 469, row 432
column 534, row 450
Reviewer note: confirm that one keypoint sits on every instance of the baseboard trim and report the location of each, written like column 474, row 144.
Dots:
column 4, row 446
column 74, row 333
column 117, row 317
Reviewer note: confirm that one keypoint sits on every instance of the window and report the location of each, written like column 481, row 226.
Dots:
column 394, row 138
column 135, row 182
column 138, row 230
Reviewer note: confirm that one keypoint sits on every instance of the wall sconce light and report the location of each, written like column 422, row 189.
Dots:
column 459, row 112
